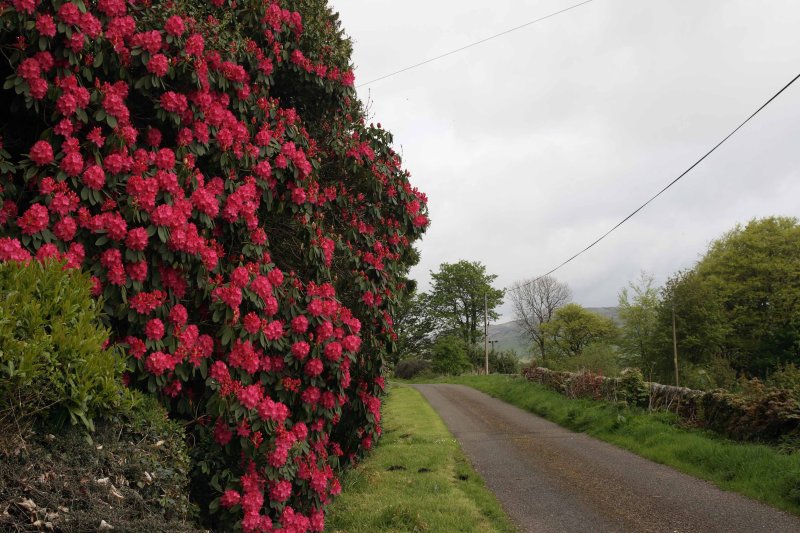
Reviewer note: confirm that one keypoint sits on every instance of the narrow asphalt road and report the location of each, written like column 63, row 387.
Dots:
column 550, row 479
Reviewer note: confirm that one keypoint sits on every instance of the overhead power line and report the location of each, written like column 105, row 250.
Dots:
column 670, row 184
column 476, row 43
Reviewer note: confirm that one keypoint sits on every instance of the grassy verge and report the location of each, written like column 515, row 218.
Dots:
column 416, row 480
column 761, row 472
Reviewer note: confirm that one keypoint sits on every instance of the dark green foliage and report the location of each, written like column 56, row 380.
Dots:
column 410, row 368
column 741, row 302
column 450, row 356
column 52, row 361
column 133, row 474
column 786, row 377
column 503, row 362
column 415, row 326
column 701, row 328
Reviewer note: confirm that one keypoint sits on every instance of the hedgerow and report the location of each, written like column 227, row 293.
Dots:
column 209, row 164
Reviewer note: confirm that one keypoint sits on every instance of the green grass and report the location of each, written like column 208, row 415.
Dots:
column 417, row 479
column 761, row 472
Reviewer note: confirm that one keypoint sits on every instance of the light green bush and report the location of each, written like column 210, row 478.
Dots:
column 52, row 361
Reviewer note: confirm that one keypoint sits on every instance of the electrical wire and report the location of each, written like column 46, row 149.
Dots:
column 476, row 43
column 659, row 193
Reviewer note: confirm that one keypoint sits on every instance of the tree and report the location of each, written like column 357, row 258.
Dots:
column 573, row 328
column 535, row 301
column 755, row 272
column 638, row 309
column 741, row 302
column 415, row 327
column 700, row 327
column 457, row 299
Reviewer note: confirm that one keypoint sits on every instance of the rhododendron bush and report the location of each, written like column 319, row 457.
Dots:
column 209, row 164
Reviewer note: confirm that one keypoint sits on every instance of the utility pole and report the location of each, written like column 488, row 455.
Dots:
column 486, row 330
column 675, row 345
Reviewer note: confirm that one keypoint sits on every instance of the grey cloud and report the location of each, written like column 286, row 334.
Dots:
column 534, row 144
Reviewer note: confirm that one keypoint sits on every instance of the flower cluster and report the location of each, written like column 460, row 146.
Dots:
column 247, row 231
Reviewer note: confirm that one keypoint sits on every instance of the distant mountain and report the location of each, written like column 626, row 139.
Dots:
column 512, row 336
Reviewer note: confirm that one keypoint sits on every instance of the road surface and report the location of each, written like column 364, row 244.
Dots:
column 549, row 479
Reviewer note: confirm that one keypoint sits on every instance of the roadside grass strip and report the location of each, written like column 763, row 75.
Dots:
column 764, row 473
column 417, row 479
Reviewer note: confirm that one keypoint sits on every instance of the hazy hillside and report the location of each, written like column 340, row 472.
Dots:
column 511, row 336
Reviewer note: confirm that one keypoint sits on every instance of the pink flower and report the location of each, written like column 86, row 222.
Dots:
column 72, row 164
column 34, row 220
column 42, row 153
column 251, row 323
column 351, row 343
column 154, row 329
column 274, row 330
column 25, row 6
column 240, row 277
column 65, row 228
column 250, row 396
column 280, row 491
column 299, row 324
column 146, row 302
column 178, row 315
column 174, row 102
column 261, row 286
column 137, row 271
column 69, row 13
column 313, row 368
column 45, row 25
column 275, row 277
column 174, row 26
column 94, row 177
column 136, row 239
column 299, row 195
column 159, row 363
column 230, row 498
column 158, row 65
column 11, row 250
column 300, row 350
column 333, row 351
column 195, row 45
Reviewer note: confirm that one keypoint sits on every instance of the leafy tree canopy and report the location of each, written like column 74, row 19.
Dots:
column 457, row 298
column 573, row 328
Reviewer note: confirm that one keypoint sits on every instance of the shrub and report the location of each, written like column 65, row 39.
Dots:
column 760, row 413
column 786, row 377
column 450, row 356
column 633, row 389
column 409, row 368
column 716, row 374
column 600, row 358
column 210, row 165
column 53, row 363
column 504, row 362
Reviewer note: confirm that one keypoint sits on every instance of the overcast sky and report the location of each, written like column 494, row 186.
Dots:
column 532, row 145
